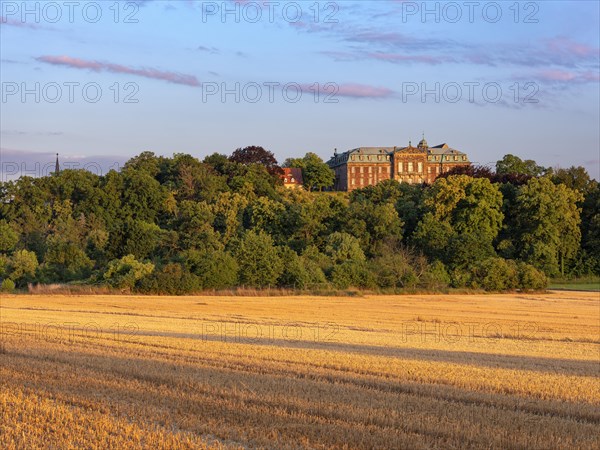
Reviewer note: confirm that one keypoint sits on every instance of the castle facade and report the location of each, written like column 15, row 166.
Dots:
column 367, row 166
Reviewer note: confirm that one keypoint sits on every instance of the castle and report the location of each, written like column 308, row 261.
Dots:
column 367, row 166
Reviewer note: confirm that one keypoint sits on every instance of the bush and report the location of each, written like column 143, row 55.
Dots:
column 125, row 272
column 435, row 276
column 352, row 273
column 171, row 279
column 4, row 265
column 530, row 278
column 8, row 285
column 495, row 274
column 460, row 278
column 394, row 270
column 215, row 269
column 23, row 266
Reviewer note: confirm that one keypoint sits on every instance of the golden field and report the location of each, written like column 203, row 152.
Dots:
column 414, row 371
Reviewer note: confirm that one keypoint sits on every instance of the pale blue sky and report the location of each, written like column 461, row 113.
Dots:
column 375, row 52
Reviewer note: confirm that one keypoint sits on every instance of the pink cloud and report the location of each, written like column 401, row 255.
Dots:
column 566, row 45
column 19, row 23
column 351, row 90
column 566, row 76
column 557, row 75
column 363, row 91
column 96, row 66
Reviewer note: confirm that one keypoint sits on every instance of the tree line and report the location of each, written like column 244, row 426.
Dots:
column 177, row 225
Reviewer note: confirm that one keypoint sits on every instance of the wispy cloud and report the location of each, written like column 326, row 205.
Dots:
column 21, row 24
column 97, row 66
column 353, row 90
column 31, row 133
column 211, row 50
column 563, row 76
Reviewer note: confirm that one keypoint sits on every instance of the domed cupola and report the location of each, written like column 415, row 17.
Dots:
column 423, row 143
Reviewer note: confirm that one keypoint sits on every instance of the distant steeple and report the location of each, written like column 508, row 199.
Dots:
column 57, row 167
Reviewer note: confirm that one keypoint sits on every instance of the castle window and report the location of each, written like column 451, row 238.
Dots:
column 411, row 167
column 455, row 158
column 292, row 180
column 429, row 158
column 362, row 170
column 353, row 157
column 420, row 167
column 464, row 158
column 400, row 167
column 354, row 170
column 387, row 157
column 379, row 157
column 353, row 182
column 370, row 169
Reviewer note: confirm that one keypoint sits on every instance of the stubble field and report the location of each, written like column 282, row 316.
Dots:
column 449, row 371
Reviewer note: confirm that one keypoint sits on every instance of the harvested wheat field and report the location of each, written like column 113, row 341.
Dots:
column 447, row 371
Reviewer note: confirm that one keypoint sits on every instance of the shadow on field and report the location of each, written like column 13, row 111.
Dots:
column 529, row 363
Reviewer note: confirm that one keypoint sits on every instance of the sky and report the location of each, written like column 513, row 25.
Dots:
column 99, row 82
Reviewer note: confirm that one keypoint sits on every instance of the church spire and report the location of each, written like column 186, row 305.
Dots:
column 57, row 167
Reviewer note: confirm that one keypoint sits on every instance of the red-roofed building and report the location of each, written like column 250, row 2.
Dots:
column 292, row 177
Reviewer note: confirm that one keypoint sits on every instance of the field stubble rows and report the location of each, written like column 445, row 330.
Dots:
column 497, row 371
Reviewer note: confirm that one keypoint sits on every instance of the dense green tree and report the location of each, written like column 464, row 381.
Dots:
column 259, row 262
column 342, row 247
column 142, row 196
column 575, row 178
column 65, row 260
column 512, row 164
column 266, row 215
column 316, row 175
column 8, row 237
column 23, row 266
column 189, row 179
column 225, row 222
column 590, row 228
column 464, row 218
column 146, row 162
column 548, row 224
column 215, row 268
